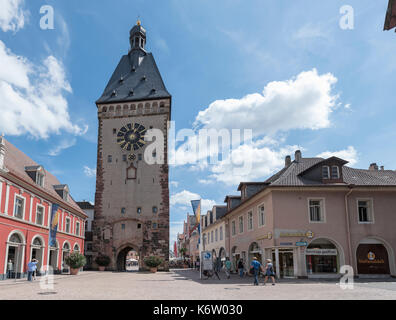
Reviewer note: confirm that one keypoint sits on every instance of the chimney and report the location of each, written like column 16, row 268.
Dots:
column 373, row 167
column 297, row 156
column 2, row 151
column 287, row 161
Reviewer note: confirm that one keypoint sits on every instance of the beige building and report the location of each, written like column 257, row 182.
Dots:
column 315, row 216
column 214, row 232
column 132, row 194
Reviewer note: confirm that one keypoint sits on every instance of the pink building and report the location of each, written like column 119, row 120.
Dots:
column 315, row 216
column 27, row 194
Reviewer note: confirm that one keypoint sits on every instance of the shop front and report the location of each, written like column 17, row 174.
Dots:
column 283, row 261
column 322, row 258
column 372, row 259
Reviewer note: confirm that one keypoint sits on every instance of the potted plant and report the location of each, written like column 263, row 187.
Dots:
column 153, row 262
column 75, row 261
column 102, row 261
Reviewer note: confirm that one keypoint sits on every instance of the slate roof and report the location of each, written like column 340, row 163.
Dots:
column 220, row 211
column 85, row 205
column 16, row 161
column 137, row 71
column 289, row 176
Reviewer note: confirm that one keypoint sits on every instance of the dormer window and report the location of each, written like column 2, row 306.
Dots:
column 63, row 191
column 335, row 172
column 40, row 178
column 37, row 174
column 325, row 172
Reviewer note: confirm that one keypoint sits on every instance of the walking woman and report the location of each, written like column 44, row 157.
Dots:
column 269, row 272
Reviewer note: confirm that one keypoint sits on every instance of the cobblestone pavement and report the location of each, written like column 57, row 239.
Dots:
column 186, row 285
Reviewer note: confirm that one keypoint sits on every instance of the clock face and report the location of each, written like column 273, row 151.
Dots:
column 131, row 136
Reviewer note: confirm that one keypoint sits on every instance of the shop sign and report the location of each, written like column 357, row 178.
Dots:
column 207, row 262
column 267, row 236
column 301, row 243
column 308, row 234
column 286, row 244
column 321, row 252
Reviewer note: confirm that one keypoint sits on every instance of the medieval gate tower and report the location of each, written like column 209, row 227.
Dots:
column 132, row 196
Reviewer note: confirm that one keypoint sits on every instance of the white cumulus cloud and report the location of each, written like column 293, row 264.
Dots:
column 32, row 97
column 350, row 154
column 12, row 16
column 303, row 102
column 184, row 198
column 89, row 172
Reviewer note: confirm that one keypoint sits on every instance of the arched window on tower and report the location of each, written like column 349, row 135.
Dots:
column 131, row 172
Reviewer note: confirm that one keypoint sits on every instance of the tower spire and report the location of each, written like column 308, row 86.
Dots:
column 137, row 36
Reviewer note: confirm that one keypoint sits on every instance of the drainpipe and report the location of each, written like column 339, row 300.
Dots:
column 348, row 225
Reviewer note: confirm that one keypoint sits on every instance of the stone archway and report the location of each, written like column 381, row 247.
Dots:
column 121, row 257
column 373, row 257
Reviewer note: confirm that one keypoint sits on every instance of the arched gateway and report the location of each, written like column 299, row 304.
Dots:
column 128, row 256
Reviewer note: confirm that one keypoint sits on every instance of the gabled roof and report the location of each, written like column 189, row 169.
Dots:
column 16, row 162
column 136, row 78
column 293, row 175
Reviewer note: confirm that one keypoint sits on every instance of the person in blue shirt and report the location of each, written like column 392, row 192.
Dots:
column 32, row 266
column 256, row 266
column 269, row 272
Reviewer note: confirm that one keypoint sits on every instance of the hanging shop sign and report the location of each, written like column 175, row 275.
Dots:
column 321, row 252
column 301, row 243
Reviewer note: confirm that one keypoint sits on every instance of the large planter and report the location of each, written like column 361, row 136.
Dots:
column 153, row 270
column 102, row 268
column 73, row 271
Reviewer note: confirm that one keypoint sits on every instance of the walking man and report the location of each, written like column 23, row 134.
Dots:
column 240, row 268
column 269, row 272
column 256, row 266
column 32, row 266
column 228, row 267
column 10, row 268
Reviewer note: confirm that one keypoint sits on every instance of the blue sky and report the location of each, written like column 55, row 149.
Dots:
column 296, row 78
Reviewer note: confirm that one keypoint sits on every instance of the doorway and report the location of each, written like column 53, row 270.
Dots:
column 286, row 264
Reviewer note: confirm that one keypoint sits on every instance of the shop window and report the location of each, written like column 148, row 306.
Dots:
column 19, row 207
column 316, row 210
column 365, row 211
column 250, row 220
column 325, row 172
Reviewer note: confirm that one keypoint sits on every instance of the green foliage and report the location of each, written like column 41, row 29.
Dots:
column 153, row 261
column 103, row 260
column 75, row 260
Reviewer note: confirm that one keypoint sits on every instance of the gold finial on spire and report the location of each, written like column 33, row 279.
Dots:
column 138, row 21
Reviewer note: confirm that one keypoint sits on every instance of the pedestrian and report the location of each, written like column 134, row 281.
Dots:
column 255, row 268
column 269, row 272
column 10, row 268
column 228, row 268
column 32, row 266
column 35, row 271
column 241, row 268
